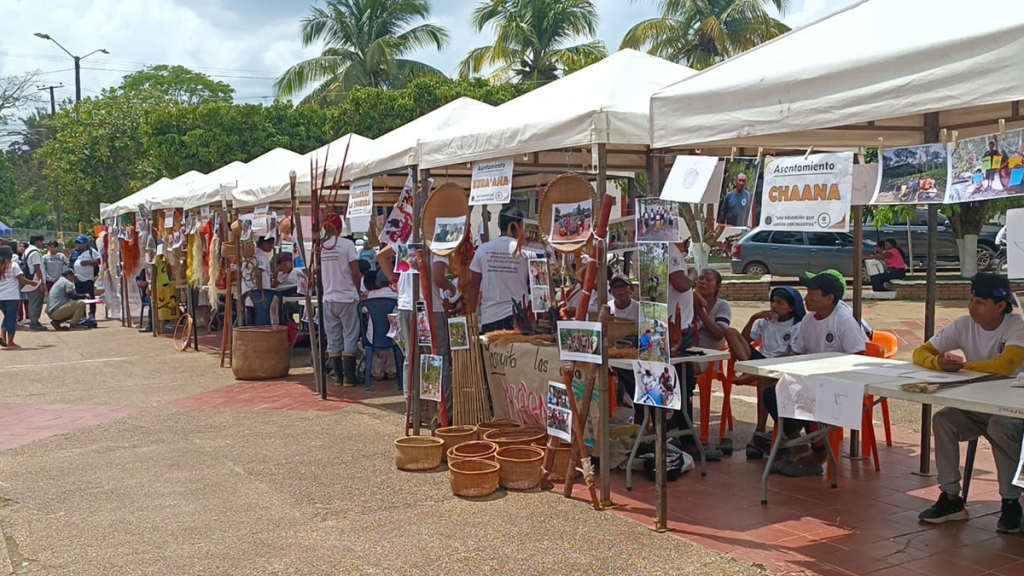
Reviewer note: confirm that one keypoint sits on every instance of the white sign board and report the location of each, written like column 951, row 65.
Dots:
column 689, row 178
column 360, row 199
column 821, row 399
column 1015, row 243
column 492, row 182
column 808, row 194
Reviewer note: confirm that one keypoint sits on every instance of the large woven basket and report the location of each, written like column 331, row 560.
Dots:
column 473, row 478
column 455, row 435
column 516, row 437
column 564, row 189
column 561, row 461
column 485, row 427
column 520, row 467
column 418, row 453
column 473, row 450
column 449, row 201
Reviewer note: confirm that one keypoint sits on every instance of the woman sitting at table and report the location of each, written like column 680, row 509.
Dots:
column 895, row 262
column 992, row 340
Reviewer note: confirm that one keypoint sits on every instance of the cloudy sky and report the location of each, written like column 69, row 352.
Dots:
column 246, row 43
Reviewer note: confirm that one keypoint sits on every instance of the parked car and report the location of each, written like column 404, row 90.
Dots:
column 945, row 239
column 793, row 253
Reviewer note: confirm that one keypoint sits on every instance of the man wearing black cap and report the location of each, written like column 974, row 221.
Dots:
column 499, row 276
column 85, row 261
column 992, row 340
column 827, row 327
column 622, row 304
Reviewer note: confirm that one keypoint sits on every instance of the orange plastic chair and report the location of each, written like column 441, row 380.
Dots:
column 890, row 347
column 725, row 375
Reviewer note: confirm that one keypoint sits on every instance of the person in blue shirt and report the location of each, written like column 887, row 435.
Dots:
column 736, row 204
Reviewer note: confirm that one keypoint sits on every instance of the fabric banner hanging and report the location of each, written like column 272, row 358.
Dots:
column 492, row 182
column 808, row 193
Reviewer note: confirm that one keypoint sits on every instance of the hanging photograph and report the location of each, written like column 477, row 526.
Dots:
column 448, row 233
column 580, row 341
column 622, row 234
column 653, row 332
column 397, row 229
column 540, row 274
column 422, row 325
column 458, row 334
column 360, row 199
column 657, row 384
column 405, row 258
column 689, row 178
column 394, row 325
column 571, row 223
column 532, row 239
column 658, row 221
column 558, row 412
column 653, row 272
column 491, row 182
column 808, row 193
column 737, row 197
column 430, row 377
column 913, row 175
column 540, row 299
column 986, row 167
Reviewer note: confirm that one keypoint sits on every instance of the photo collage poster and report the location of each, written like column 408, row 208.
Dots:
column 986, row 168
column 540, row 285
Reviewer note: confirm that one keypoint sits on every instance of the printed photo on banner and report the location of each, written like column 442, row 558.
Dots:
column 491, row 182
column 657, row 221
column 689, row 178
column 532, row 239
column 657, row 384
column 558, row 412
column 811, row 193
column 458, row 334
column 405, row 258
column 540, row 299
column 395, row 329
column 540, row 274
column 430, row 377
column 737, row 197
column 912, row 175
column 653, row 336
column 448, row 233
column 422, row 325
column 986, row 167
column 622, row 234
column 579, row 341
column 360, row 199
column 653, row 273
column 571, row 222
column 397, row 229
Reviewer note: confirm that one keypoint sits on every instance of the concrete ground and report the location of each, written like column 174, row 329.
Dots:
column 120, row 456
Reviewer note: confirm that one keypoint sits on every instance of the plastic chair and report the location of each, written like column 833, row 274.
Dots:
column 724, row 372
column 891, row 347
column 261, row 302
column 378, row 309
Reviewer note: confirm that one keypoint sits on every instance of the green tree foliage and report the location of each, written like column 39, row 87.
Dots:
column 701, row 33
column 8, row 190
column 365, row 44
column 535, row 41
column 174, row 85
column 34, row 197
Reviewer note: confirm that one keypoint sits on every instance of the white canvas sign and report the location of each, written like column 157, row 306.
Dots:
column 821, row 399
column 491, row 182
column 689, row 178
column 810, row 194
column 360, row 199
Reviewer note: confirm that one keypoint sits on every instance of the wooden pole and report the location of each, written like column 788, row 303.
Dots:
column 931, row 134
column 428, row 299
column 604, row 394
column 858, row 300
column 418, row 198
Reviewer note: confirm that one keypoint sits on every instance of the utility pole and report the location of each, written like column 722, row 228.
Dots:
column 78, row 63
column 58, row 207
column 53, row 98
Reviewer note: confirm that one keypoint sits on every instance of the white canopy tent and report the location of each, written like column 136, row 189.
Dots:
column 604, row 103
column 327, row 158
column 207, row 191
column 130, row 202
column 259, row 181
column 872, row 70
column 153, row 196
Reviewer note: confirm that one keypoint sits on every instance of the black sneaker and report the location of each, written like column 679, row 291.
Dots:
column 1009, row 517
column 947, row 508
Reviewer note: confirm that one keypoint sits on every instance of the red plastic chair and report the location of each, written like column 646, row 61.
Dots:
column 726, row 375
column 890, row 346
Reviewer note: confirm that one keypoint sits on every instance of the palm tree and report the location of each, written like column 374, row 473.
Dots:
column 533, row 39
column 365, row 41
column 701, row 33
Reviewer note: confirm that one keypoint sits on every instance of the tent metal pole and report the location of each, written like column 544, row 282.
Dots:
column 604, row 395
column 858, row 301
column 931, row 124
column 412, row 384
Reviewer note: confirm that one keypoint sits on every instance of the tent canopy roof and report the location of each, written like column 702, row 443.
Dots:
column 203, row 191
column 164, row 197
column 254, row 182
column 130, row 202
column 872, row 70
column 607, row 102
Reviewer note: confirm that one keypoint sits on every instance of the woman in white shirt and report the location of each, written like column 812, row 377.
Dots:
column 11, row 281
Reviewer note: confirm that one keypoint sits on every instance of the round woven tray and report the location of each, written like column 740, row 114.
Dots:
column 516, row 437
column 472, row 450
column 520, row 467
column 448, row 201
column 456, row 435
column 565, row 189
column 473, row 478
column 418, row 453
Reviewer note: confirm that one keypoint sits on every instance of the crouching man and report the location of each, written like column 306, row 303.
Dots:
column 64, row 303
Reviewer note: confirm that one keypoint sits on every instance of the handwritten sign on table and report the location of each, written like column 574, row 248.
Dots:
column 821, row 399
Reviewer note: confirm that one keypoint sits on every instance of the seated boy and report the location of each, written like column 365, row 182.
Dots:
column 992, row 340
column 774, row 329
column 828, row 327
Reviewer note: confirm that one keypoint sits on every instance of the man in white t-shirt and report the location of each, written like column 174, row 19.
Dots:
column 34, row 271
column 257, row 293
column 339, row 270
column 499, row 277
column 682, row 327
column 85, row 261
column 991, row 338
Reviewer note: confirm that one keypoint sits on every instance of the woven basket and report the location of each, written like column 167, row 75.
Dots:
column 561, row 461
column 485, row 427
column 564, row 189
column 520, row 467
column 473, row 450
column 449, row 201
column 473, row 478
column 456, row 435
column 516, row 437
column 418, row 453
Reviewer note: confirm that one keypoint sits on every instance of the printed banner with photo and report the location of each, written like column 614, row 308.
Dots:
column 657, row 384
column 689, row 178
column 986, row 167
column 458, row 333
column 540, row 274
column 579, row 341
column 360, row 199
column 653, row 273
column 532, row 236
column 658, row 221
column 821, row 399
column 737, row 197
column 448, row 233
column 571, row 223
column 559, row 412
column 653, row 332
column 812, row 193
column 397, row 228
column 540, row 299
column 622, row 234
column 430, row 377
column 405, row 258
column 395, row 329
column 491, row 182
column 1015, row 243
column 912, row 175
column 422, row 325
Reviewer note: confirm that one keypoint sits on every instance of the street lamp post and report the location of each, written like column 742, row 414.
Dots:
column 59, row 205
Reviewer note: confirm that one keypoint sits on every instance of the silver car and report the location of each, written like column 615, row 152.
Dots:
column 783, row 253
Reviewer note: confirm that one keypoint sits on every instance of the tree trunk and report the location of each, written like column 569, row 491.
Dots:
column 967, row 221
column 701, row 253
column 968, row 246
